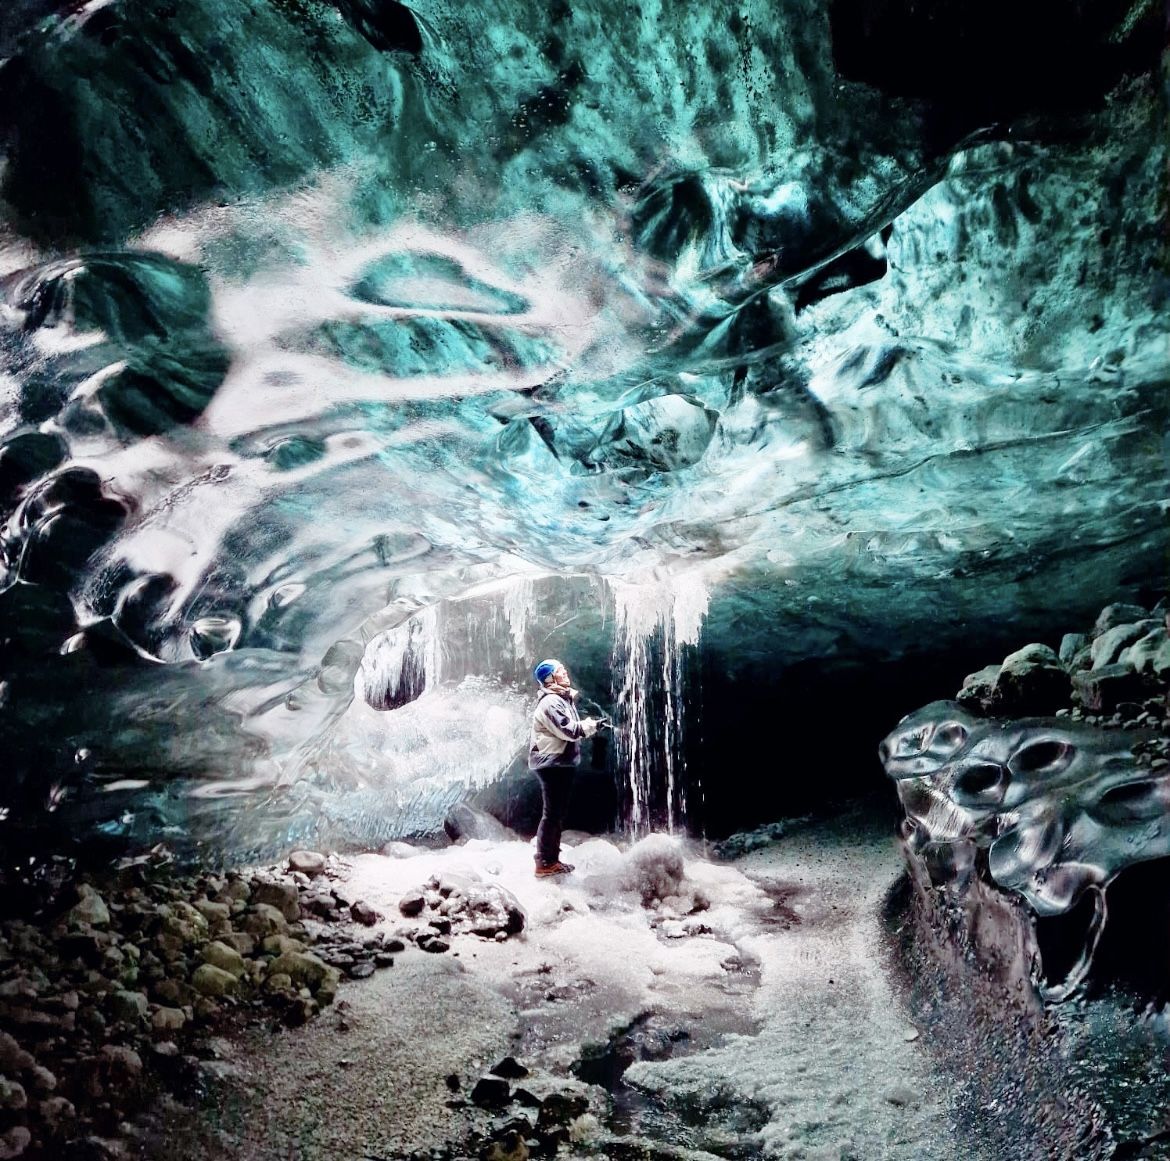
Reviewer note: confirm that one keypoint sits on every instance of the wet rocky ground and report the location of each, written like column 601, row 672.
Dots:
column 659, row 1003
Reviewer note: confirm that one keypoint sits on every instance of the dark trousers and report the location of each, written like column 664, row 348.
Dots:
column 556, row 785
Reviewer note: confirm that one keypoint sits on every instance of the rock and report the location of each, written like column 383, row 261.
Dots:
column 123, row 1065
column 490, row 1092
column 14, row 1142
column 902, row 1095
column 465, row 822
column 283, row 896
column 13, row 1058
column 383, row 959
column 509, row 1146
column 1031, row 681
column 12, row 1095
column 977, row 688
column 41, row 1081
column 279, row 944
column 172, row 992
column 205, row 1009
column 263, row 919
column 237, row 890
column 1120, row 614
column 360, row 971
column 1106, row 649
column 396, row 849
column 21, row 989
column 168, row 1019
column 90, row 909
column 226, row 958
column 129, row 1007
column 1070, row 645
column 309, row 863
column 213, row 982
column 242, row 941
column 183, row 922
column 217, row 914
column 1106, row 688
column 1150, row 654
column 303, row 968
column 361, row 912
column 560, row 1107
column 57, row 1113
column 279, row 983
column 412, row 904
column 510, row 1068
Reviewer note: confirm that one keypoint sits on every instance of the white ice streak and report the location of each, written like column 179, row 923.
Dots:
column 673, row 609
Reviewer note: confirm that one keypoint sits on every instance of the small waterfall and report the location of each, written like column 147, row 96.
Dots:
column 656, row 627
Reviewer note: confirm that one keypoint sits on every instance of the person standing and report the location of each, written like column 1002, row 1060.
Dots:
column 554, row 752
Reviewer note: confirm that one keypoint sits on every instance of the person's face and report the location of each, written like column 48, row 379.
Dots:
column 560, row 675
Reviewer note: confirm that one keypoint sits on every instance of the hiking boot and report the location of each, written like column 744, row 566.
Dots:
column 553, row 869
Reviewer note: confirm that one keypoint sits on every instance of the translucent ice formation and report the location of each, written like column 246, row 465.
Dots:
column 1059, row 809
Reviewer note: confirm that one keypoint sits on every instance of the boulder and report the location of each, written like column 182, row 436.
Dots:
column 1107, row 647
column 1103, row 690
column 510, row 1069
column 226, row 958
column 171, row 992
column 977, row 688
column 208, row 980
column 509, row 1145
column 90, row 909
column 181, row 921
column 122, row 1065
column 129, row 1007
column 283, row 896
column 1070, row 645
column 310, row 863
column 1031, row 681
column 490, row 1092
column 13, row 1058
column 168, row 1019
column 41, row 1081
column 1149, row 654
column 465, row 822
column 412, row 904
column 14, row 1143
column 57, row 1113
column 1118, row 614
column 279, row 944
column 263, row 919
column 216, row 914
column 242, row 941
column 12, row 1095
column 361, row 912
column 303, row 968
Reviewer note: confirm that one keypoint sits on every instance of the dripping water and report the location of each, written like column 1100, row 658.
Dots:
column 657, row 628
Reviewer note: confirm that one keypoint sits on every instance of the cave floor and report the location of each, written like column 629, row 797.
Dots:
column 764, row 1024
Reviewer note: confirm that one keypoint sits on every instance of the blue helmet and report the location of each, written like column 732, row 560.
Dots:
column 544, row 671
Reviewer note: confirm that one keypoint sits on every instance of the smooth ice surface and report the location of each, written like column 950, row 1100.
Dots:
column 428, row 300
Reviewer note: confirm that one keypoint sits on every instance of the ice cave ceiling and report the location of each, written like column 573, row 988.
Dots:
column 835, row 328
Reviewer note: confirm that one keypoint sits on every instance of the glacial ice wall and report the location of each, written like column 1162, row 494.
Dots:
column 316, row 317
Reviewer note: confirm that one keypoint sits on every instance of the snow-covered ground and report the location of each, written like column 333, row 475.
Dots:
column 778, row 1032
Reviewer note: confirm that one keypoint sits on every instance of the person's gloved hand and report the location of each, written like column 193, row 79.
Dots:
column 588, row 727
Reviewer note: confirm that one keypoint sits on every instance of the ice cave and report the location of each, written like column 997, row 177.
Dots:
column 584, row 580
